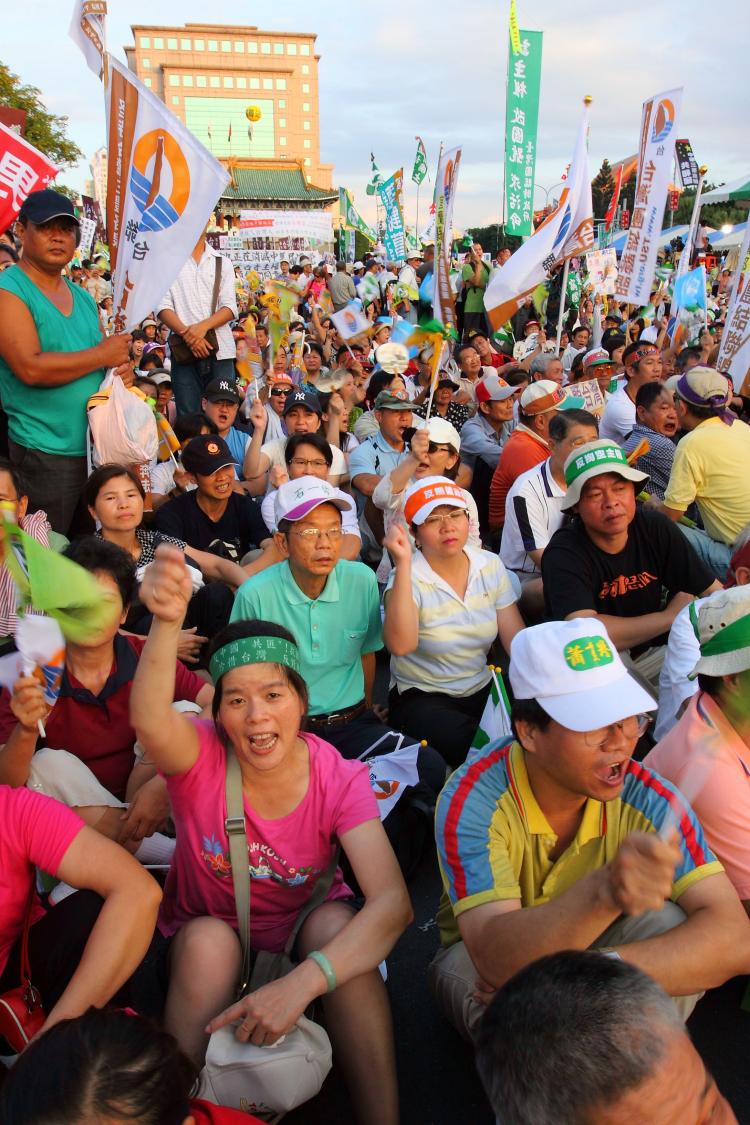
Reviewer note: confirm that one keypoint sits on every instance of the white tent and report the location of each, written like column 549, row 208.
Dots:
column 738, row 191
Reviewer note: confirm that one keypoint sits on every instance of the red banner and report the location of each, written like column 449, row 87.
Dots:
column 23, row 169
column 614, row 200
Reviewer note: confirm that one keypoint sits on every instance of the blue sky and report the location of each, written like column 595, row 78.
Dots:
column 392, row 70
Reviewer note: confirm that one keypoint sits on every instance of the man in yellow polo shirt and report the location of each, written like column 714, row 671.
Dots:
column 546, row 842
column 711, row 466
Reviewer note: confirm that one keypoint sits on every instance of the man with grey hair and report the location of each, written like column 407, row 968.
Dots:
column 580, row 1038
column 545, row 366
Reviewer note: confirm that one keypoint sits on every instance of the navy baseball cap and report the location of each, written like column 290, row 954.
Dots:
column 206, row 454
column 41, row 206
column 308, row 400
column 220, row 390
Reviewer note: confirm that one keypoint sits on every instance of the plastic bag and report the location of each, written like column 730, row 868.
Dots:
column 122, row 426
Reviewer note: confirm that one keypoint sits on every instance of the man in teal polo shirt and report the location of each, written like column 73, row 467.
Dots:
column 53, row 357
column 332, row 609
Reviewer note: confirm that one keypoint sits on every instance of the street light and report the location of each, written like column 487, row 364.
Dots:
column 547, row 191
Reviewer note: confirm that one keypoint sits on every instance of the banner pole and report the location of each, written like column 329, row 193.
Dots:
column 563, row 294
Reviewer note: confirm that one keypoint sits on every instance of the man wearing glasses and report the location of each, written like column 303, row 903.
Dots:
column 559, row 840
column 302, row 414
column 331, row 606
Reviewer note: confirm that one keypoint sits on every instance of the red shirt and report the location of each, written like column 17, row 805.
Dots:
column 96, row 728
column 521, row 452
column 207, row 1114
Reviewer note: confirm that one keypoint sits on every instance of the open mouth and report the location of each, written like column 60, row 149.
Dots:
column 262, row 743
column 613, row 774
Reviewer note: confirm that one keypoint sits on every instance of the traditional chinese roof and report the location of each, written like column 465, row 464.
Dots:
column 275, row 185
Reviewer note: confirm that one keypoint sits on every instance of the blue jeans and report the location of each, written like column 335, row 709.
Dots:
column 717, row 556
column 189, row 380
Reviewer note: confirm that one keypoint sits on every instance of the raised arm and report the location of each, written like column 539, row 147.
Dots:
column 401, row 623
column 256, row 463
column 169, row 739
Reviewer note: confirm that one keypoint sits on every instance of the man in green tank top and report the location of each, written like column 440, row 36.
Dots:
column 53, row 357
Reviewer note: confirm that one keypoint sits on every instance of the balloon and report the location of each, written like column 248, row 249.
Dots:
column 253, row 113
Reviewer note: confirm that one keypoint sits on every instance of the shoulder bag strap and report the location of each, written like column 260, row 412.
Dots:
column 320, row 890
column 217, row 282
column 234, row 825
column 25, row 965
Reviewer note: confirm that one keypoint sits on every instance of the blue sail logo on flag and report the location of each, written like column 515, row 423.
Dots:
column 663, row 121
column 157, row 159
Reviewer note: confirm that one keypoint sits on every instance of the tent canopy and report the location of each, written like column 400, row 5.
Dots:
column 738, row 191
column 733, row 237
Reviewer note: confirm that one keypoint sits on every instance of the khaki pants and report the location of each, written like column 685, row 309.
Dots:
column 452, row 975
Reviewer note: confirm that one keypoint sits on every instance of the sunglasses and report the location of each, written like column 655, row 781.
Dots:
column 280, row 392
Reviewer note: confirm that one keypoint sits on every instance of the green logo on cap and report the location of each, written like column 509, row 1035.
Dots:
column 586, row 653
column 604, row 455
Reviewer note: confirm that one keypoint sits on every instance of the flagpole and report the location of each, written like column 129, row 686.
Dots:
column 416, row 228
column 561, row 314
column 686, row 254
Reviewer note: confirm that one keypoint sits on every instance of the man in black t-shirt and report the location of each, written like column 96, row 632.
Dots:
column 614, row 559
column 214, row 517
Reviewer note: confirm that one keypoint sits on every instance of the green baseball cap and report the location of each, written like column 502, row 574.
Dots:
column 593, row 460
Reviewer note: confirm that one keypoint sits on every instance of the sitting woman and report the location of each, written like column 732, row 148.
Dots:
column 85, row 948
column 88, row 759
column 443, row 611
column 115, row 498
column 108, row 1066
column 301, row 799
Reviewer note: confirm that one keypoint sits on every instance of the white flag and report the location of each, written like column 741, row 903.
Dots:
column 391, row 774
column 88, row 30
column 659, row 125
column 495, row 724
column 350, row 321
column 568, row 230
column 446, row 185
column 734, row 354
column 162, row 186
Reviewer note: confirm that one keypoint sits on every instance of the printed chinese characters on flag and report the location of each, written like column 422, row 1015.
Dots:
column 23, row 169
column 162, row 186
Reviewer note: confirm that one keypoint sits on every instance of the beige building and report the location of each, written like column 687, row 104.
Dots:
column 99, row 177
column 210, row 75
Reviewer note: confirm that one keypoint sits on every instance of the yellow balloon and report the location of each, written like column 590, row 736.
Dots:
column 252, row 113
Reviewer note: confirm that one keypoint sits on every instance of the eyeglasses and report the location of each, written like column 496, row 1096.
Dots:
column 315, row 533
column 632, row 727
column 304, row 462
column 452, row 519
column 281, row 392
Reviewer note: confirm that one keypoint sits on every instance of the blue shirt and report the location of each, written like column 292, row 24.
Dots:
column 333, row 631
column 375, row 456
column 657, row 462
column 237, row 441
column 480, row 440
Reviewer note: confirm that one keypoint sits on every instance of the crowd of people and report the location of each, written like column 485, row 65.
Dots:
column 311, row 585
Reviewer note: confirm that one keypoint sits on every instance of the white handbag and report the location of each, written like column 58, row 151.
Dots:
column 265, row 1081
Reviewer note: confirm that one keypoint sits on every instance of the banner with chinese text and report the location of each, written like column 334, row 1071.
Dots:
column 659, row 124
column 734, row 355
column 521, row 119
column 162, row 187
column 443, row 301
column 393, row 236
column 23, row 169
column 687, row 165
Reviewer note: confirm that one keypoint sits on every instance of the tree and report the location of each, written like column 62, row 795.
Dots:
column 602, row 186
column 492, row 238
column 713, row 214
column 44, row 130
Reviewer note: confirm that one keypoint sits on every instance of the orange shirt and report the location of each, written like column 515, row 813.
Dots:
column 522, row 451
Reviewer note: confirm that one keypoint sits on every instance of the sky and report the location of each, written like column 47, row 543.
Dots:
column 436, row 68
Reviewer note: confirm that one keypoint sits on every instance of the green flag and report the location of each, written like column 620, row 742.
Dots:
column 372, row 187
column 521, row 119
column 495, row 722
column 351, row 218
column 419, row 171
column 56, row 586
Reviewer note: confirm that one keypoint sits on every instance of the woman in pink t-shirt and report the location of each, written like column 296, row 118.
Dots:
column 300, row 799
column 82, row 950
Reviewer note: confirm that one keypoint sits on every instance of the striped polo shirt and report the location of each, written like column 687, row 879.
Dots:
column 454, row 633
column 533, row 513
column 494, row 841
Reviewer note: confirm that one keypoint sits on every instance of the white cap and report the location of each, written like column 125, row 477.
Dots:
column 297, row 498
column 573, row 670
column 440, row 430
column 722, row 626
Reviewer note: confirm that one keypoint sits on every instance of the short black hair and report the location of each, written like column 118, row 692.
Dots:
column 563, row 422
column 253, row 627
column 631, row 349
column 103, row 475
column 315, row 439
column 379, row 381
column 612, row 340
column 314, row 346
column 580, row 328
column 188, row 426
column 529, row 711
column 648, row 394
column 138, row 334
column 95, row 554
column 463, row 348
column 15, row 476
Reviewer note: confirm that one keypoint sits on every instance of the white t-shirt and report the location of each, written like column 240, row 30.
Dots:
column 619, row 417
column 274, row 451
column 533, row 513
column 683, row 652
column 348, row 516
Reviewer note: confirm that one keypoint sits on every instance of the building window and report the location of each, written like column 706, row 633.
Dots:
column 281, row 83
column 174, row 80
column 281, row 103
column 214, row 82
column 213, row 45
column 268, row 84
column 175, row 99
column 291, row 48
column 200, row 80
column 305, row 87
column 305, row 68
column 305, row 107
column 252, row 48
column 255, row 83
column 228, row 83
column 308, row 162
column 306, row 126
column 265, row 48
column 242, row 83
column 146, row 64
column 304, row 48
column 187, row 80
column 278, row 48
column 147, row 82
column 282, row 123
column 306, row 143
column 199, row 45
column 239, row 46
column 171, row 44
column 158, row 44
column 282, row 142
column 145, row 42
column 186, row 44
column 226, row 46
